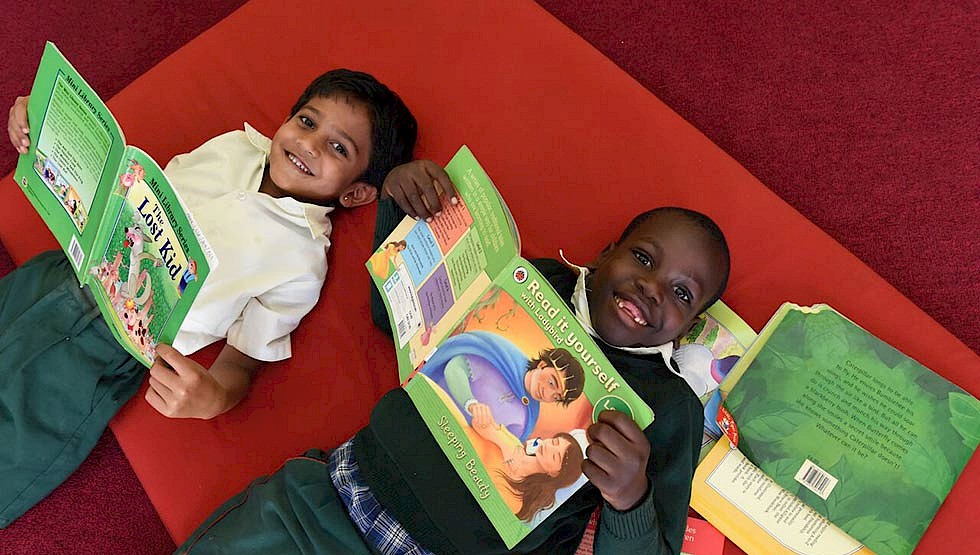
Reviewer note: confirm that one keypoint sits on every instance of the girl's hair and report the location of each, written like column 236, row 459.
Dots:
column 537, row 491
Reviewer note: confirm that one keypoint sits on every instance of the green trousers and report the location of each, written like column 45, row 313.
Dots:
column 294, row 510
column 62, row 377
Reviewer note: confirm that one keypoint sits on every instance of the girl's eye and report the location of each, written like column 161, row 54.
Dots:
column 643, row 258
column 339, row 149
column 305, row 121
column 683, row 295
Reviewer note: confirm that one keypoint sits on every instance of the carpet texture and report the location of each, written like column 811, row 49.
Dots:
column 864, row 117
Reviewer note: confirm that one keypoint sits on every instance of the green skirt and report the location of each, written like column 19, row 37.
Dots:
column 62, row 377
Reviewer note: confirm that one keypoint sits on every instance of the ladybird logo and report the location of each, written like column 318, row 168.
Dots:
column 520, row 274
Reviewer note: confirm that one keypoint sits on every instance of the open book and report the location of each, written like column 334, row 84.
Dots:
column 112, row 210
column 863, row 435
column 477, row 330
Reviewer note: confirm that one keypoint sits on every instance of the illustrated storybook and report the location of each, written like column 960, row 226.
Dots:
column 867, row 437
column 505, row 377
column 705, row 357
column 112, row 210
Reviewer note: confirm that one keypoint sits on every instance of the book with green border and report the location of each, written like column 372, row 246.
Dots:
column 865, row 435
column 112, row 210
column 457, row 290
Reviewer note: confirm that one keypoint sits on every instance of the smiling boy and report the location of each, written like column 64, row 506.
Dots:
column 390, row 489
column 264, row 206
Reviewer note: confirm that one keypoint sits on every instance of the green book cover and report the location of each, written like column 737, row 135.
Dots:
column 862, row 433
column 112, row 210
column 502, row 373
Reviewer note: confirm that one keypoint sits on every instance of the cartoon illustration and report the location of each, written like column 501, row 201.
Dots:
column 189, row 275
column 138, row 279
column 531, row 472
column 484, row 368
column 134, row 174
column 383, row 261
column 699, row 367
column 108, row 275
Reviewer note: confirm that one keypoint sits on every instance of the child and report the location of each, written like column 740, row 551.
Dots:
column 391, row 490
column 62, row 374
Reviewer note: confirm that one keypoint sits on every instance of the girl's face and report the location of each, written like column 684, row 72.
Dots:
column 551, row 454
column 320, row 152
column 649, row 288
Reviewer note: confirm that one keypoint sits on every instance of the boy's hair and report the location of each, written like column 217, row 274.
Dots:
column 393, row 127
column 702, row 221
column 562, row 360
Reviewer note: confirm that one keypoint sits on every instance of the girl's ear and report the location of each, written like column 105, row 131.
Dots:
column 358, row 194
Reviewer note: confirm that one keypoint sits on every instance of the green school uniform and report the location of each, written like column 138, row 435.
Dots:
column 62, row 377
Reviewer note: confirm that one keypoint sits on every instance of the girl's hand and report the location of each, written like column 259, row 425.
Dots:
column 617, row 460
column 182, row 388
column 17, row 127
column 417, row 186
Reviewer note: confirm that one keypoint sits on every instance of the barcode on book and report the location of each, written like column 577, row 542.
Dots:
column 816, row 479
column 75, row 252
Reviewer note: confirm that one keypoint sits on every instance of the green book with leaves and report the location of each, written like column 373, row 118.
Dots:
column 862, row 433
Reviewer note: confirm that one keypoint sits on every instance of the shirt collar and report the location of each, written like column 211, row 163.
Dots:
column 580, row 301
column 315, row 215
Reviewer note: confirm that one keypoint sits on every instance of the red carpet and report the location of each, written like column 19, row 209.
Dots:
column 864, row 118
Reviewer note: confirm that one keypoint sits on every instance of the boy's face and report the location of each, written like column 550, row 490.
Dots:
column 545, row 383
column 319, row 153
column 648, row 289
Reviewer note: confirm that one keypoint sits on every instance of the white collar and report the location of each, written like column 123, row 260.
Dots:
column 580, row 301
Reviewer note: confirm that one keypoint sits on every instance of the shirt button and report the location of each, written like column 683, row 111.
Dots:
column 242, row 196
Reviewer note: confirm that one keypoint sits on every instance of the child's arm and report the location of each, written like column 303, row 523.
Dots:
column 17, row 127
column 182, row 388
column 411, row 182
column 416, row 187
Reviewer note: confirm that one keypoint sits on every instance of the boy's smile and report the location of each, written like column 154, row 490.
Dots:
column 648, row 289
column 318, row 153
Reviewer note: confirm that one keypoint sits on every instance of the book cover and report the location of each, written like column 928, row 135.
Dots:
column 863, row 434
column 494, row 360
column 112, row 210
column 701, row 538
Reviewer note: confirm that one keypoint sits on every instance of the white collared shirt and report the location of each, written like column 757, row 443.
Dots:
column 272, row 253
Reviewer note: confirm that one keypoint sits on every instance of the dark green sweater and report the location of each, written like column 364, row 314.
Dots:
column 411, row 477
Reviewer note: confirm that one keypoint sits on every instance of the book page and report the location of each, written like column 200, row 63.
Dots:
column 706, row 356
column 76, row 147
column 757, row 514
column 429, row 272
column 154, row 260
column 511, row 355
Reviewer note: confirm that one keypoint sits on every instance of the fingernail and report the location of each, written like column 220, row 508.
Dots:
column 454, row 200
column 428, row 220
column 439, row 213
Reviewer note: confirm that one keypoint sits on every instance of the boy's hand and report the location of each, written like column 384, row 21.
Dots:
column 17, row 127
column 182, row 388
column 617, row 460
column 416, row 187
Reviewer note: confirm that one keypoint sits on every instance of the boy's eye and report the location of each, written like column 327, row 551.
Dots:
column 642, row 258
column 305, row 121
column 339, row 149
column 683, row 295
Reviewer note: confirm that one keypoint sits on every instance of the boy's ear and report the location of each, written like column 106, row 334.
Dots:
column 602, row 256
column 358, row 194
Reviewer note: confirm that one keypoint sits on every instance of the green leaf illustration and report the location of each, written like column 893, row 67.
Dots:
column 884, row 538
column 965, row 417
column 779, row 421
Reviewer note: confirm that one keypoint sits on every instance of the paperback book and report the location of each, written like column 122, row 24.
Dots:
column 867, row 437
column 502, row 373
column 111, row 208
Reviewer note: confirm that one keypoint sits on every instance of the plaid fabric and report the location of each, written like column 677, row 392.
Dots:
column 378, row 527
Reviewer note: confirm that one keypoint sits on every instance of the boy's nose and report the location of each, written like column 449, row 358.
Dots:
column 652, row 289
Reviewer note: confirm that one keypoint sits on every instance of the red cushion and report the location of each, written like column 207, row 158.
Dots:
column 576, row 146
